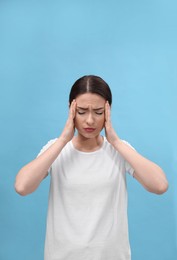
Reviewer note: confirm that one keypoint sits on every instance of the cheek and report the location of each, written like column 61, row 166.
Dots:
column 102, row 121
column 77, row 121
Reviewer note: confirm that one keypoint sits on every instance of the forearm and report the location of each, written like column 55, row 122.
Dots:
column 31, row 175
column 149, row 174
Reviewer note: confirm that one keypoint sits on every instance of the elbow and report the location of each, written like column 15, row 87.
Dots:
column 20, row 189
column 162, row 188
column 161, row 185
column 23, row 189
column 21, row 183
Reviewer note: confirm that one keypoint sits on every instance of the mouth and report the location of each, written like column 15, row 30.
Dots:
column 89, row 130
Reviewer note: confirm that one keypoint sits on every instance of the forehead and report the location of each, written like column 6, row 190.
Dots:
column 90, row 99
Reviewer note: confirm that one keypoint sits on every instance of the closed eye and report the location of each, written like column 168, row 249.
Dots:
column 99, row 113
column 80, row 113
column 84, row 112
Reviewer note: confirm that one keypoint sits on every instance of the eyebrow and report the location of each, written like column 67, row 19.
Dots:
column 84, row 108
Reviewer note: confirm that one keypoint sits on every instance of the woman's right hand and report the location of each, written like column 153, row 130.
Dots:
column 31, row 175
column 68, row 131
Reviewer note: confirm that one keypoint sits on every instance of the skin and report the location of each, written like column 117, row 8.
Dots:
column 83, row 115
column 147, row 173
column 89, row 114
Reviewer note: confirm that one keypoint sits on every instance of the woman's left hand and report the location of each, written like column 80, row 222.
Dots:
column 111, row 135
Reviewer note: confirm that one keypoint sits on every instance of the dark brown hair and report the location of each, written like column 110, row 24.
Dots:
column 91, row 84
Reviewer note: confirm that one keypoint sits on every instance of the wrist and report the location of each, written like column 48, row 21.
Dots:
column 116, row 143
column 62, row 140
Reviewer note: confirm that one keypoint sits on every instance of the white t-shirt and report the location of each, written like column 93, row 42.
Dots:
column 87, row 211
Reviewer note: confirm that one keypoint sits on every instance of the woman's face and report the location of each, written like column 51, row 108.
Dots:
column 90, row 116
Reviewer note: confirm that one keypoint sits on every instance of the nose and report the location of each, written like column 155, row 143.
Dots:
column 90, row 119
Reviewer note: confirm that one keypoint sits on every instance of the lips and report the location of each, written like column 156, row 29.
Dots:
column 89, row 130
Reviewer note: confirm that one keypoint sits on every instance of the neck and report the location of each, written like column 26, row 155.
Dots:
column 87, row 144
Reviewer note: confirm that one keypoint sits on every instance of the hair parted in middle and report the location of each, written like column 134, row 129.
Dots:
column 91, row 84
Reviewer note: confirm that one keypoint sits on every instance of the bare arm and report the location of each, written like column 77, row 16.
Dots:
column 31, row 175
column 149, row 174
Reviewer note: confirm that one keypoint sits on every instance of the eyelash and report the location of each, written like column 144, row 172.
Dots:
column 97, row 113
column 80, row 113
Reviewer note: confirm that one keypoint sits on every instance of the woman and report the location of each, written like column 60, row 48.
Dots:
column 87, row 212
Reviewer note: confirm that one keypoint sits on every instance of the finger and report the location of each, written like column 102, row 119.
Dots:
column 72, row 109
column 107, row 112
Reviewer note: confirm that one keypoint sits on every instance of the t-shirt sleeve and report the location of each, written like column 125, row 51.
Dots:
column 44, row 148
column 128, row 167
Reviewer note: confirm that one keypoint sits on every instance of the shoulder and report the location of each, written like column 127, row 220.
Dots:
column 110, row 148
column 46, row 146
column 127, row 143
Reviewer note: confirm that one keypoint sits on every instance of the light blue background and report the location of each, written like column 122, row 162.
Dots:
column 44, row 47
